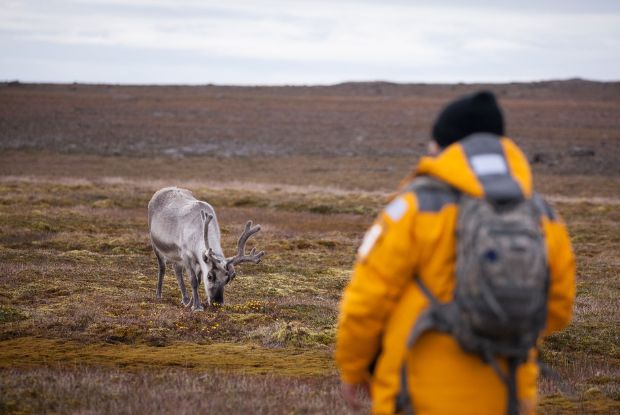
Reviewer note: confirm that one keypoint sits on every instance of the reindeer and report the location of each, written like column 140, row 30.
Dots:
column 185, row 231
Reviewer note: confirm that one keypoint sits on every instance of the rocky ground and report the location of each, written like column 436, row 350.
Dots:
column 570, row 127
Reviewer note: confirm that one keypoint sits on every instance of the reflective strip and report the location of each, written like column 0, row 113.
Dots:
column 485, row 164
column 397, row 209
column 369, row 240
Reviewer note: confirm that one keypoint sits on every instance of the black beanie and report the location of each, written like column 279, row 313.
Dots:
column 474, row 113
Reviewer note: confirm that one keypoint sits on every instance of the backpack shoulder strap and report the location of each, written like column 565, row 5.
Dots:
column 424, row 323
column 543, row 208
column 436, row 317
column 432, row 194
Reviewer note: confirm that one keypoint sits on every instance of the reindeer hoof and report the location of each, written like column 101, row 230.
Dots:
column 186, row 301
column 199, row 308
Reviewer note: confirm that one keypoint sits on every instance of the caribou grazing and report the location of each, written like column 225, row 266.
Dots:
column 185, row 232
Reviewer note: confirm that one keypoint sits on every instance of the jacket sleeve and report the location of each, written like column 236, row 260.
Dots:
column 562, row 273
column 385, row 263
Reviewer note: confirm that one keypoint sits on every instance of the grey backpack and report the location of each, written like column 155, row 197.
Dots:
column 500, row 298
column 501, row 278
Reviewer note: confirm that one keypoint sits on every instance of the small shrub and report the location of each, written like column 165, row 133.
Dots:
column 8, row 314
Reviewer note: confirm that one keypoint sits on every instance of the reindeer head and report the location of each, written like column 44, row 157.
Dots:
column 222, row 270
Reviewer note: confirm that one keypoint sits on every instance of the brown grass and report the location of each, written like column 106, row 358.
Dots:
column 77, row 284
column 112, row 391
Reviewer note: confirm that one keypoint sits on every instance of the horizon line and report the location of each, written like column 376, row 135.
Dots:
column 308, row 85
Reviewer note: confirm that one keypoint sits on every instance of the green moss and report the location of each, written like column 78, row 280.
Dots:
column 324, row 209
column 249, row 201
column 311, row 314
column 43, row 226
column 592, row 338
column 245, row 358
column 292, row 334
column 103, row 204
column 557, row 403
column 9, row 314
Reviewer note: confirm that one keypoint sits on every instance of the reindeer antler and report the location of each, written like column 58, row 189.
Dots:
column 206, row 218
column 241, row 256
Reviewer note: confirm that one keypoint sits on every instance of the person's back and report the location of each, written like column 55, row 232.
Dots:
column 415, row 238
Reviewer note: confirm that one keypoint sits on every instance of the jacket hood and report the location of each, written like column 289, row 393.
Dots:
column 482, row 165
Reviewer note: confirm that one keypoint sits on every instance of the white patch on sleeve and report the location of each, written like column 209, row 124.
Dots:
column 397, row 209
column 486, row 164
column 369, row 240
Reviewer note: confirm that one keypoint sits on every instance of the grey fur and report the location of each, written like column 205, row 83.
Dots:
column 185, row 231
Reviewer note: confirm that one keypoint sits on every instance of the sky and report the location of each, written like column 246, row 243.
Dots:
column 277, row 42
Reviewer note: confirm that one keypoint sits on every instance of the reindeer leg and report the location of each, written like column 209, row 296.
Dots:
column 197, row 306
column 162, row 270
column 178, row 271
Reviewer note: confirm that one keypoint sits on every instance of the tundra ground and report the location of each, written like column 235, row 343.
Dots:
column 82, row 332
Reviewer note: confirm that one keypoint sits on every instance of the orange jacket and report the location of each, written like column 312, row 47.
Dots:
column 415, row 236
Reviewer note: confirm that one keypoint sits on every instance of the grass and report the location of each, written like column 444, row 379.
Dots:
column 586, row 354
column 81, row 331
column 113, row 391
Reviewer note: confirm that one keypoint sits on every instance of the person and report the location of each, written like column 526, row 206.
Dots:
column 414, row 239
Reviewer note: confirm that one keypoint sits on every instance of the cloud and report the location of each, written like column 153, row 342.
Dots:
column 449, row 39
